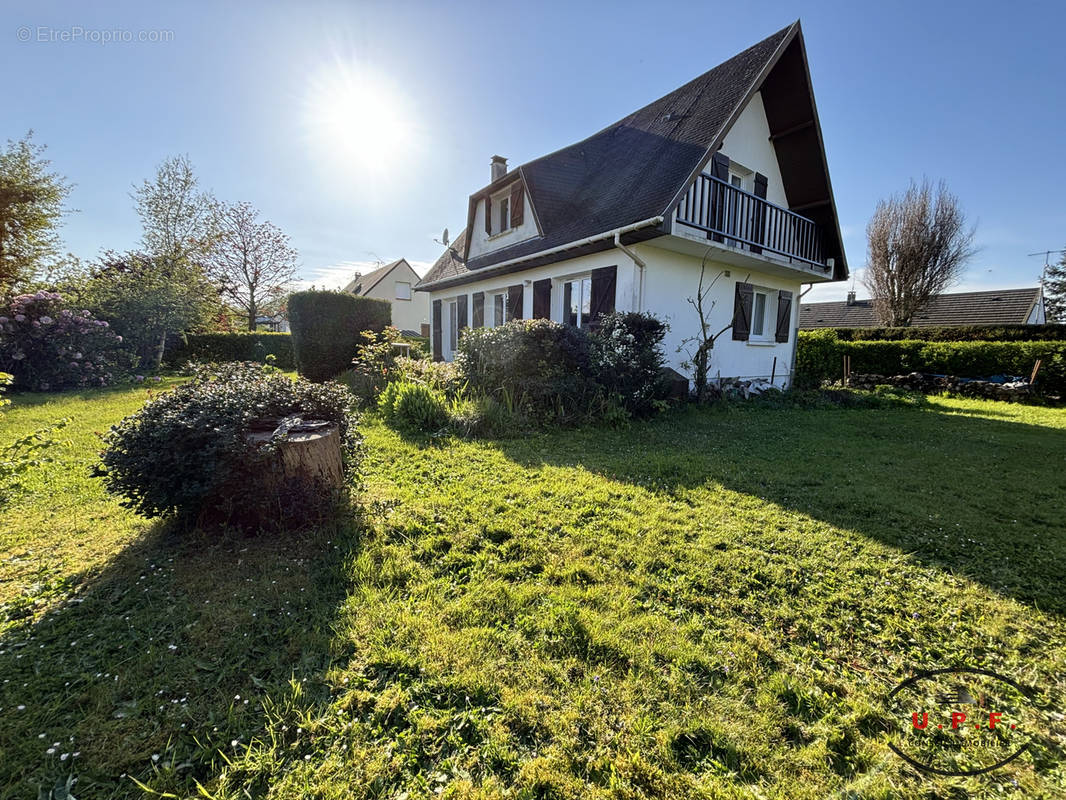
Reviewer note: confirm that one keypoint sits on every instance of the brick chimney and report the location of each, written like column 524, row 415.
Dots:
column 499, row 167
column 851, row 298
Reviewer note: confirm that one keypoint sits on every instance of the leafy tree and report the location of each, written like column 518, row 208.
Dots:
column 148, row 298
column 179, row 220
column 918, row 245
column 1055, row 291
column 252, row 260
column 31, row 207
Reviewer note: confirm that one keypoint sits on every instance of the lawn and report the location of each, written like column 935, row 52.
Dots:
column 712, row 604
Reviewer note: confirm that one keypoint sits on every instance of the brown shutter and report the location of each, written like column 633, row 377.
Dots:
column 758, row 217
column 604, row 281
column 477, row 312
column 742, row 301
column 514, row 301
column 438, row 353
column 518, row 202
column 720, row 170
column 784, row 315
column 542, row 299
column 488, row 215
column 460, row 313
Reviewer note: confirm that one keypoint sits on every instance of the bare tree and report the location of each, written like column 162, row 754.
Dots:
column 252, row 261
column 179, row 220
column 918, row 245
column 698, row 347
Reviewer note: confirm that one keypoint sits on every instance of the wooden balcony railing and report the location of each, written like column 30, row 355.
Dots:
column 738, row 218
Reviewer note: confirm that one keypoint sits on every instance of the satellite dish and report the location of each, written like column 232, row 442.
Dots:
column 444, row 237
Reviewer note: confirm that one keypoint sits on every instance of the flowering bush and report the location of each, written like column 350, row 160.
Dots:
column 47, row 346
column 185, row 453
column 627, row 359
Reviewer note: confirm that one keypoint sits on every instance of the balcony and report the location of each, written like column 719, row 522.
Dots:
column 740, row 219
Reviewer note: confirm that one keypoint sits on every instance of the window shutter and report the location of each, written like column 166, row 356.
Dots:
column 603, row 290
column 784, row 315
column 518, row 202
column 542, row 299
column 477, row 312
column 460, row 313
column 514, row 301
column 488, row 215
column 759, row 216
column 742, row 301
column 438, row 353
column 720, row 170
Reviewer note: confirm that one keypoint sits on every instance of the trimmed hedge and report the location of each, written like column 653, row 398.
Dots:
column 820, row 354
column 326, row 328
column 236, row 346
column 958, row 333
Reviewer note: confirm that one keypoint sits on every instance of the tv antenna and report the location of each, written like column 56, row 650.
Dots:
column 1047, row 256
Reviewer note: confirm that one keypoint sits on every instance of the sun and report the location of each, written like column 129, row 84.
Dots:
column 357, row 120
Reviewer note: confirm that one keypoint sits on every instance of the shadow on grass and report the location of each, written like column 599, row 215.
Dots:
column 169, row 657
column 980, row 497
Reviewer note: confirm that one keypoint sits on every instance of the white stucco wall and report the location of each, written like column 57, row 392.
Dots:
column 748, row 144
column 406, row 314
column 670, row 279
column 481, row 242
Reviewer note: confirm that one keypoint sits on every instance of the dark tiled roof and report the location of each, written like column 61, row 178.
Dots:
column 1003, row 307
column 629, row 171
column 364, row 283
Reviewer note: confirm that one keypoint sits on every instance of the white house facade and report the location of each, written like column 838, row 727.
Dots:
column 395, row 282
column 723, row 181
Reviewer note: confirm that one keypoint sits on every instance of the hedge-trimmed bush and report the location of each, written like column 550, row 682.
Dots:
column 957, row 333
column 326, row 328
column 235, row 346
column 820, row 357
column 185, row 451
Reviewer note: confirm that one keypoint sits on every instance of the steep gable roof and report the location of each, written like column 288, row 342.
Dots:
column 362, row 284
column 638, row 168
column 1000, row 307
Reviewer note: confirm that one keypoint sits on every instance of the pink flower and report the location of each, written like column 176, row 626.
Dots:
column 46, row 320
column 20, row 318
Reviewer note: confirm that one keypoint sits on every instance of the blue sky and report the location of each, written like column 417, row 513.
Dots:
column 966, row 92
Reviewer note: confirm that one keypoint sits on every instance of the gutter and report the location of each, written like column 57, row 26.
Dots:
column 640, row 265
column 615, row 234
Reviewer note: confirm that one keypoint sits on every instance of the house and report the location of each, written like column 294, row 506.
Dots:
column 999, row 307
column 275, row 323
column 395, row 282
column 728, row 173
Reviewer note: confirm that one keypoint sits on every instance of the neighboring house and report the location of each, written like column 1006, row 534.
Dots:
column 395, row 282
column 1001, row 307
column 729, row 170
column 277, row 323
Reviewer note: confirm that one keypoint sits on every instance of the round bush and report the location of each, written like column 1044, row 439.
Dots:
column 185, row 453
column 413, row 407
column 48, row 346
column 327, row 329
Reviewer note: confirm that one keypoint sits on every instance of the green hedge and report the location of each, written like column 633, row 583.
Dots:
column 820, row 355
column 326, row 326
column 239, row 346
column 958, row 333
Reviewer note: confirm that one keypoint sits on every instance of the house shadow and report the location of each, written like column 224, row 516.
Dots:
column 982, row 498
column 158, row 665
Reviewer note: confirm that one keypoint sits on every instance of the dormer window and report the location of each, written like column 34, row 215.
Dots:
column 503, row 217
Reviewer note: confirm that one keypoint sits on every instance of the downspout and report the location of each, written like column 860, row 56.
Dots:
column 636, row 258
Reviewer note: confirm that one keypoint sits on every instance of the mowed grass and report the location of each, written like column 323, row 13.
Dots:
column 712, row 604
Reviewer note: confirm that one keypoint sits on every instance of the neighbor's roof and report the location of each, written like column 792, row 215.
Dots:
column 635, row 169
column 364, row 283
column 1002, row 307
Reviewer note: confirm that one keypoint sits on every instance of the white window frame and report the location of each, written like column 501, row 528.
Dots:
column 502, row 318
column 583, row 299
column 769, row 319
column 397, row 292
column 453, row 325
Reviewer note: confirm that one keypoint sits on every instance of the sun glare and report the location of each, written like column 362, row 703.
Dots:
column 357, row 121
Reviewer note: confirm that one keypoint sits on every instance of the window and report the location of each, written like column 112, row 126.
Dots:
column 577, row 302
column 759, row 310
column 403, row 290
column 505, row 214
column 499, row 306
column 453, row 326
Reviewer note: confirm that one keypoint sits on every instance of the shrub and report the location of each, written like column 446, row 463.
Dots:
column 413, row 407
column 535, row 366
column 440, row 375
column 235, row 346
column 957, row 333
column 185, row 453
column 627, row 359
column 374, row 365
column 48, row 346
column 327, row 329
